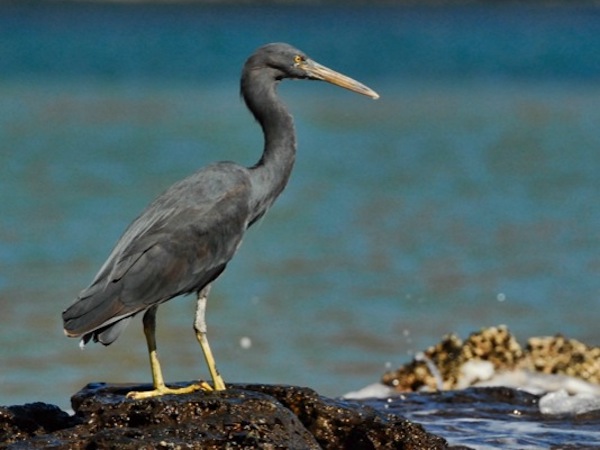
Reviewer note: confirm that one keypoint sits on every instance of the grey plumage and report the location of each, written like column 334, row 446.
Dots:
column 184, row 239
column 178, row 245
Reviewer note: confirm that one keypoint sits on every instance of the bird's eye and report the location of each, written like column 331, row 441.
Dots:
column 298, row 59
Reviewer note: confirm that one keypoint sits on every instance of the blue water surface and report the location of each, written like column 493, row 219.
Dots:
column 467, row 196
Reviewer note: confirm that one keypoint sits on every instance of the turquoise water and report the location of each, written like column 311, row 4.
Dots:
column 465, row 197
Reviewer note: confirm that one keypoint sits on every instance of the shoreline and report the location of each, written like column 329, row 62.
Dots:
column 401, row 411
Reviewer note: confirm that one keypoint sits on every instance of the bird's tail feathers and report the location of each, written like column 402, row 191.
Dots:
column 106, row 335
column 98, row 314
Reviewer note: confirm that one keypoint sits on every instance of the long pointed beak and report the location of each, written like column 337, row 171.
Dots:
column 319, row 72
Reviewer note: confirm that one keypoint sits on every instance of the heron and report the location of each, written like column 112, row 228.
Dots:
column 185, row 238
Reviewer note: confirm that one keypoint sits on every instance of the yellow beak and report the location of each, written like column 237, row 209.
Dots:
column 319, row 72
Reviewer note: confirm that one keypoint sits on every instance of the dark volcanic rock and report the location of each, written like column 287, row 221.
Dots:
column 234, row 418
column 340, row 424
column 242, row 417
column 23, row 421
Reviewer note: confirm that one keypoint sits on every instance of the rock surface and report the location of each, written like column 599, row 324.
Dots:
column 242, row 417
column 440, row 367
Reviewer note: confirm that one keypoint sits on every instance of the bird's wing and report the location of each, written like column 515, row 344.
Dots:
column 178, row 245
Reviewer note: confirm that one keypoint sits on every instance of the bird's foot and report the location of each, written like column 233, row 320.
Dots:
column 165, row 390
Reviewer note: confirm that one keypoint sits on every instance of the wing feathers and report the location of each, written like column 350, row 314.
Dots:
column 180, row 243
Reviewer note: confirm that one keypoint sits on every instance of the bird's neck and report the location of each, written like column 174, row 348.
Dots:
column 270, row 175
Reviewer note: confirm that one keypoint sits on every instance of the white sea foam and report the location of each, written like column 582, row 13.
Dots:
column 561, row 402
column 561, row 394
column 540, row 383
column 375, row 390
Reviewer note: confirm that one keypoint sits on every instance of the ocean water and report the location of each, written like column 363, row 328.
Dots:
column 466, row 196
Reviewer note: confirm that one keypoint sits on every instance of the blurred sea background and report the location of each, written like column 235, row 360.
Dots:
column 467, row 196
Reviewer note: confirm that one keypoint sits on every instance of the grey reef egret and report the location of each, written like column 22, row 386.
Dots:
column 186, row 237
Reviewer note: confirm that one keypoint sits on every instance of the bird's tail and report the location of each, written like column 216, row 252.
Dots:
column 97, row 313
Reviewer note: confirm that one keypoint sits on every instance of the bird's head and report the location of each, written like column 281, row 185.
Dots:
column 285, row 61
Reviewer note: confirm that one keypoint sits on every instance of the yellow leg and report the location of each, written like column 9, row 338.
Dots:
column 200, row 328
column 160, row 388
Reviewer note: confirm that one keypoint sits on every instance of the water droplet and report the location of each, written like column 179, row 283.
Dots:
column 245, row 342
